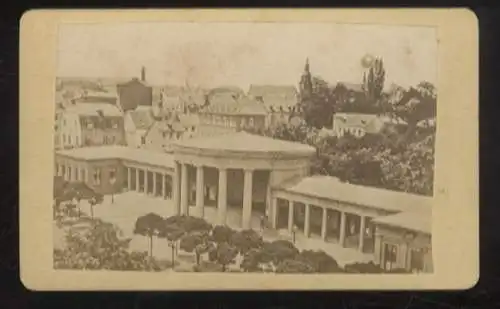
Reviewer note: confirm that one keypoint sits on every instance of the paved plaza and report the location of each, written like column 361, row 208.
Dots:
column 128, row 206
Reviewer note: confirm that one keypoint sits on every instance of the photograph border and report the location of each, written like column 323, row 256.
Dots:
column 455, row 226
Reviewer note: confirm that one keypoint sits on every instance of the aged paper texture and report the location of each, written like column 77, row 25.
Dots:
column 267, row 149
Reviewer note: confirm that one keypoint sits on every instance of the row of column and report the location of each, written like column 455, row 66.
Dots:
column 181, row 198
column 146, row 182
column 343, row 216
column 71, row 173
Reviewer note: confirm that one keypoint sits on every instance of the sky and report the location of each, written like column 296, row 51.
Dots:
column 240, row 54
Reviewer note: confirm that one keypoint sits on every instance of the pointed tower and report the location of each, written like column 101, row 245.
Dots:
column 306, row 82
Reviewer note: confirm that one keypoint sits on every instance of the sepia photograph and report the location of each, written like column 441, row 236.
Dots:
column 213, row 151
column 244, row 148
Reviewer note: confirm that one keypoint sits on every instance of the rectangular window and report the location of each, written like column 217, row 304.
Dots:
column 82, row 175
column 90, row 124
column 69, row 173
column 97, row 176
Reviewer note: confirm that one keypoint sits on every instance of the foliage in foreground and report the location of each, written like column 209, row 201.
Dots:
column 100, row 246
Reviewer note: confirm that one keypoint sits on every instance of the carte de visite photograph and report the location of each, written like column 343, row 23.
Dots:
column 244, row 149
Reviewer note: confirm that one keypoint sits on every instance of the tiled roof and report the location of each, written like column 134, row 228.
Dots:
column 332, row 188
column 276, row 90
column 94, row 109
column 226, row 89
column 246, row 142
column 230, row 106
column 142, row 118
column 120, row 152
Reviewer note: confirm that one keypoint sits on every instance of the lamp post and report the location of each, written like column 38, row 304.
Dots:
column 294, row 232
column 112, row 181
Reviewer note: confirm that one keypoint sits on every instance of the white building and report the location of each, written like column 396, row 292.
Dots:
column 360, row 124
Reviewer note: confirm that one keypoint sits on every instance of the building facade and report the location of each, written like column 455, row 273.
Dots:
column 95, row 124
column 262, row 177
column 136, row 124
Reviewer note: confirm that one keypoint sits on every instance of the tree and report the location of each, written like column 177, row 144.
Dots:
column 246, row 240
column 417, row 103
column 149, row 225
column 198, row 242
column 222, row 234
column 172, row 233
column 223, row 254
column 93, row 201
column 320, row 261
column 290, row 266
column 100, row 246
column 373, row 81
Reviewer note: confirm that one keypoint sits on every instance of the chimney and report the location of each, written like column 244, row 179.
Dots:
column 143, row 74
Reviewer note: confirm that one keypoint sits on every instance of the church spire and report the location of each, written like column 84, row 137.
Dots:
column 306, row 68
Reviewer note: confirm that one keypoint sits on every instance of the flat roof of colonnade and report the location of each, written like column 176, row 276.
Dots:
column 246, row 143
column 121, row 153
column 411, row 211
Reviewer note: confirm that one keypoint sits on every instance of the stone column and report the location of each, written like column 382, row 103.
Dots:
column 184, row 190
column 342, row 228
column 290, row 216
column 269, row 199
column 129, row 178
column 274, row 212
column 137, row 180
column 222, row 196
column 324, row 223
column 247, row 199
column 200, row 196
column 146, row 181
column 307, row 220
column 177, row 188
column 361, row 243
column 154, row 183
column 163, row 185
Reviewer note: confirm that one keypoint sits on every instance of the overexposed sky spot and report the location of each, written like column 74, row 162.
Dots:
column 212, row 54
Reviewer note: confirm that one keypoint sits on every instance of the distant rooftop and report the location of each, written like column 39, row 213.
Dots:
column 142, row 118
column 264, row 90
column 121, row 153
column 94, row 109
column 332, row 188
column 246, row 142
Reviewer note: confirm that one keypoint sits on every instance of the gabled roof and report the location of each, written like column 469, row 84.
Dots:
column 226, row 89
column 94, row 109
column 142, row 118
column 133, row 81
column 231, row 106
column 273, row 90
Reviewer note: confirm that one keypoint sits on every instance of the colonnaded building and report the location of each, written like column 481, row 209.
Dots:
column 264, row 177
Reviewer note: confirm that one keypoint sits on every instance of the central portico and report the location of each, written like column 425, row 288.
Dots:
column 234, row 170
